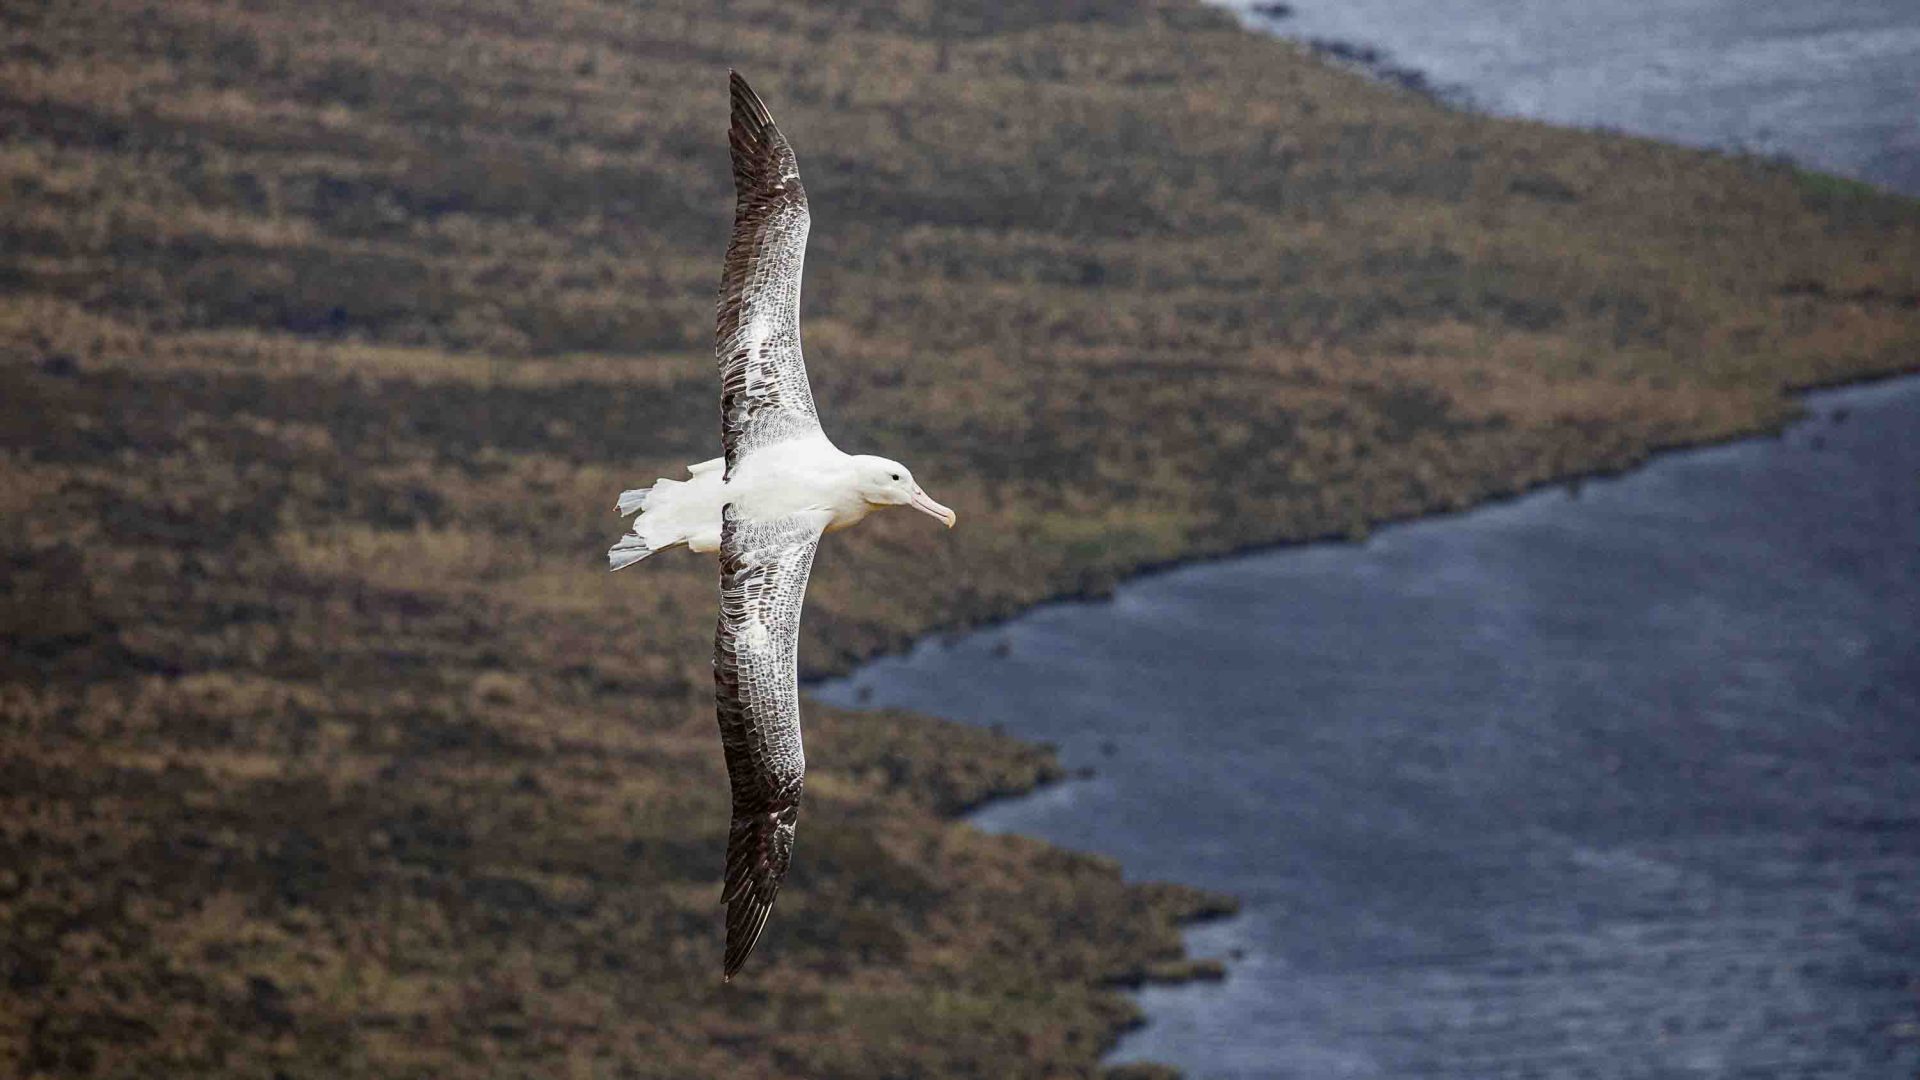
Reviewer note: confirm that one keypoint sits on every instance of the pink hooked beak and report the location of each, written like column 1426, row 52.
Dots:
column 925, row 504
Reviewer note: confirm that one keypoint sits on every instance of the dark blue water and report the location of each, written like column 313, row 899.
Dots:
column 1833, row 85
column 1622, row 784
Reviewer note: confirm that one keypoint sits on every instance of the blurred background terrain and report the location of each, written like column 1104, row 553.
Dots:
column 330, row 333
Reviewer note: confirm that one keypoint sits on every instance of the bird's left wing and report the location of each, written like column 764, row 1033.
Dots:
column 763, row 582
column 764, row 396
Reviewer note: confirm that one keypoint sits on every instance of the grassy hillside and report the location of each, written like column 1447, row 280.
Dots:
column 328, row 333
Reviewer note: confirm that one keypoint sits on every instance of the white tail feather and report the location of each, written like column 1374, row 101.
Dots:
column 672, row 513
column 631, row 549
column 633, row 500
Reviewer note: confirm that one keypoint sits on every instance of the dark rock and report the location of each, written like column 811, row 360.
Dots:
column 1348, row 51
column 60, row 366
column 1171, row 972
column 268, row 1002
column 1140, row 1070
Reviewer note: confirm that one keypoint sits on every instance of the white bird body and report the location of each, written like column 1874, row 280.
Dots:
column 796, row 476
column 808, row 474
column 790, row 477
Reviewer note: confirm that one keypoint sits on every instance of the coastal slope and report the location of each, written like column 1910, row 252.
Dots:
column 330, row 332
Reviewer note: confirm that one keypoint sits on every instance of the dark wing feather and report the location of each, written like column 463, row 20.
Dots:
column 763, row 582
column 764, row 396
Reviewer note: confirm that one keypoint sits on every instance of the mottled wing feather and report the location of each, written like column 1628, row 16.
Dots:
column 764, row 396
column 763, row 582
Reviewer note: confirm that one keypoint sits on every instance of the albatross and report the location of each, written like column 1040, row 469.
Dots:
column 763, row 506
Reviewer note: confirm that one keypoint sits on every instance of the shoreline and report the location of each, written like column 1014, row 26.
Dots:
column 1791, row 418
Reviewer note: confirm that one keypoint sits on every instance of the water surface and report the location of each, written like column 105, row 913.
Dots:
column 1833, row 85
column 1619, row 784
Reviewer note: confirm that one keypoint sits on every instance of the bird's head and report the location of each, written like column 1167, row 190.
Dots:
column 888, row 483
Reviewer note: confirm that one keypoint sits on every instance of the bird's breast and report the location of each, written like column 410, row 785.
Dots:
column 789, row 478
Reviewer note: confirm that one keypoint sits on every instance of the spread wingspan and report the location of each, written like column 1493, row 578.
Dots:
column 763, row 582
column 764, row 506
column 764, row 396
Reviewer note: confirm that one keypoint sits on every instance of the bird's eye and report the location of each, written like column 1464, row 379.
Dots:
column 896, row 476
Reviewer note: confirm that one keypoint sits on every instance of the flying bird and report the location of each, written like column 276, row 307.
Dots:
column 763, row 506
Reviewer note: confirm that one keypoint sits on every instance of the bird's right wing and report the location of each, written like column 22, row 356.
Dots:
column 763, row 582
column 764, row 395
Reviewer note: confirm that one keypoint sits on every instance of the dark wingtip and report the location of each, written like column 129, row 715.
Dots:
column 749, row 112
column 746, row 921
column 759, row 847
